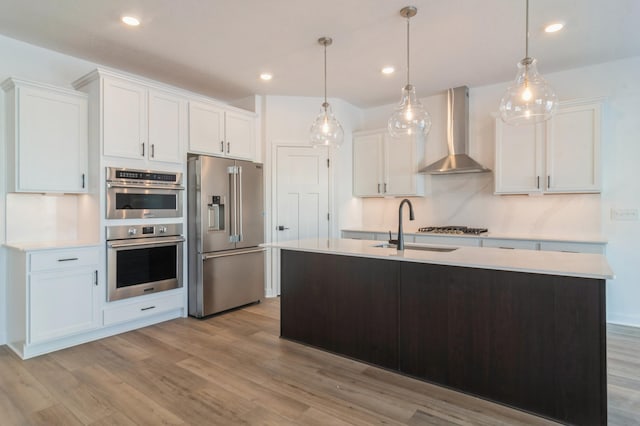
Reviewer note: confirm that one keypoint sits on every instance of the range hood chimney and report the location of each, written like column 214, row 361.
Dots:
column 457, row 138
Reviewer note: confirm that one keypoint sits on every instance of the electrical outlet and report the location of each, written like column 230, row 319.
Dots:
column 624, row 214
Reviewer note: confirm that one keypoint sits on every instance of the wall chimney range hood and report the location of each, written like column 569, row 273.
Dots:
column 458, row 161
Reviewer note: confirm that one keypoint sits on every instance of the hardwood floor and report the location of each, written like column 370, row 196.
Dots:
column 234, row 369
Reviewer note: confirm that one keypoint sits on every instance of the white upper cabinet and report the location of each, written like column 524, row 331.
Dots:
column 561, row 155
column 218, row 131
column 141, row 123
column 47, row 138
column 573, row 151
column 386, row 166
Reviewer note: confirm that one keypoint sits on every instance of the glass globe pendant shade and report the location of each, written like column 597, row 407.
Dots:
column 530, row 99
column 325, row 129
column 409, row 117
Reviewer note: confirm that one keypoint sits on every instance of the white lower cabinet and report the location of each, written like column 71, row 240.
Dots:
column 511, row 244
column 149, row 306
column 51, row 294
column 447, row 241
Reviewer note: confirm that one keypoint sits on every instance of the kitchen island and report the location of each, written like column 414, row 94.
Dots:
column 522, row 328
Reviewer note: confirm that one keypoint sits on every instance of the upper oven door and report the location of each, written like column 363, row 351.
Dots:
column 125, row 201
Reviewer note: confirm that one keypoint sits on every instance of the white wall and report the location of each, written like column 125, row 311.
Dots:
column 469, row 200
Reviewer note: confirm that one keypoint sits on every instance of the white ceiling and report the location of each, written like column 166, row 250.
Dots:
column 219, row 47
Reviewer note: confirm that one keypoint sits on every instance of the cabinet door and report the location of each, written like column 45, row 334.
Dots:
column 166, row 121
column 367, row 165
column 240, row 135
column 400, row 166
column 206, row 129
column 573, row 149
column 62, row 303
column 51, row 141
column 124, row 119
column 519, row 168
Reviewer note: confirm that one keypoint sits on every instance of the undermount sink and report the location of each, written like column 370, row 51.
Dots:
column 417, row 247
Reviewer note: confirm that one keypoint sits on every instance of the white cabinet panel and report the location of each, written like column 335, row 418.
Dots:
column 166, row 121
column 62, row 303
column 240, row 135
column 216, row 131
column 140, row 309
column 354, row 235
column 519, row 158
column 572, row 247
column 47, row 137
column 206, row 128
column 367, row 165
column 386, row 166
column 449, row 241
column 124, row 119
column 559, row 156
column 142, row 123
column 510, row 244
column 573, row 152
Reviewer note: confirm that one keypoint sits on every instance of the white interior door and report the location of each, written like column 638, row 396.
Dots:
column 302, row 193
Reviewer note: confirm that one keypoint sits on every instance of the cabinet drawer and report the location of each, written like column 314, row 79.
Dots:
column 61, row 259
column 355, row 235
column 449, row 241
column 511, row 244
column 142, row 309
column 572, row 247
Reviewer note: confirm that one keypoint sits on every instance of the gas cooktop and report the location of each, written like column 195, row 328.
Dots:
column 452, row 230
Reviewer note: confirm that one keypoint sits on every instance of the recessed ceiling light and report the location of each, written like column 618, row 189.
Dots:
column 388, row 70
column 131, row 21
column 266, row 76
column 552, row 28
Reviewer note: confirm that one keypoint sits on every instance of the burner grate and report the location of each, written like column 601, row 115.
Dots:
column 458, row 230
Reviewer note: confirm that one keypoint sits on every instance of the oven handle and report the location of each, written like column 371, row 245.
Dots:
column 232, row 253
column 133, row 185
column 149, row 243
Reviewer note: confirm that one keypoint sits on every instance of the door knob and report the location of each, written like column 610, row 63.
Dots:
column 281, row 228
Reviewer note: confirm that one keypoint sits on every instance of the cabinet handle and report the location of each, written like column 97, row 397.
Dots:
column 549, row 181
column 95, row 277
column 538, row 181
column 378, row 188
column 153, row 150
column 146, row 309
column 228, row 147
column 385, row 187
column 68, row 259
column 83, row 181
column 142, row 148
column 507, row 248
column 221, row 146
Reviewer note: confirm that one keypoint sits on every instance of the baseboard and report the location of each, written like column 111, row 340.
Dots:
column 626, row 320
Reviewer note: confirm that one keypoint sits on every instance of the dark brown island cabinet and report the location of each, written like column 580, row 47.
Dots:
column 530, row 341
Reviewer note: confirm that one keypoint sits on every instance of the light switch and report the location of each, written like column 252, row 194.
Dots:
column 624, row 214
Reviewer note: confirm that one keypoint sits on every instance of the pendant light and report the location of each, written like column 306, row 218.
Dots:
column 326, row 130
column 409, row 117
column 530, row 99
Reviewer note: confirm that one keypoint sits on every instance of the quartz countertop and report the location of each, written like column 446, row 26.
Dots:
column 584, row 265
column 589, row 239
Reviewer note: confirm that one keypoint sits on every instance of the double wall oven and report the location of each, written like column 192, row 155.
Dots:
column 143, row 258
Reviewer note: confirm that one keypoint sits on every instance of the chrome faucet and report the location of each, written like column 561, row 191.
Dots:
column 411, row 217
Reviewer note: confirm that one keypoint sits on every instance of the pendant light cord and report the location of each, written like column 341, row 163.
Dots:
column 526, row 51
column 408, row 41
column 325, row 77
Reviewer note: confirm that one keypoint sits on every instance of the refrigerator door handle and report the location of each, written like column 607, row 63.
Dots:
column 233, row 215
column 232, row 253
column 240, row 212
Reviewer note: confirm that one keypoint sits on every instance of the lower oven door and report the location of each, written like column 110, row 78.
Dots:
column 142, row 266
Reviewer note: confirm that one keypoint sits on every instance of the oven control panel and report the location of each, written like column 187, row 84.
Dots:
column 143, row 231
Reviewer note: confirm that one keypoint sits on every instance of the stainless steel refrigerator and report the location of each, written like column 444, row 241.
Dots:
column 225, row 226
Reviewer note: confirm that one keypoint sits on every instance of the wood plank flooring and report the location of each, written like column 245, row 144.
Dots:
column 234, row 369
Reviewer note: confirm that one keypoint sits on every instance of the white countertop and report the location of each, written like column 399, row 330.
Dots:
column 49, row 245
column 538, row 262
column 589, row 239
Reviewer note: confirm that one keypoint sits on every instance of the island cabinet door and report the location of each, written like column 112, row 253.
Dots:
column 531, row 341
column 346, row 305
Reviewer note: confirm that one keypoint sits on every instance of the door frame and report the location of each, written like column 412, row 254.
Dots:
column 271, row 199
